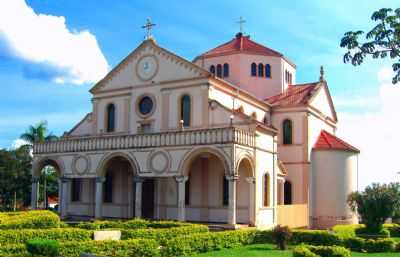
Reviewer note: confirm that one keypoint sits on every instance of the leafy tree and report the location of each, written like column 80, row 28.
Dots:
column 381, row 42
column 376, row 204
column 15, row 178
column 39, row 134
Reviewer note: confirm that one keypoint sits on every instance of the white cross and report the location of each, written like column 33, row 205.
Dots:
column 241, row 22
column 148, row 26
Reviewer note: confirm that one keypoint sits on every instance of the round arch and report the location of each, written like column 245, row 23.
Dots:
column 245, row 157
column 186, row 162
column 102, row 167
column 39, row 164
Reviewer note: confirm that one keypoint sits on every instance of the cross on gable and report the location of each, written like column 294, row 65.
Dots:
column 148, row 26
column 241, row 22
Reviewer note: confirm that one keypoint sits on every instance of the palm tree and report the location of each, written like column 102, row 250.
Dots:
column 38, row 134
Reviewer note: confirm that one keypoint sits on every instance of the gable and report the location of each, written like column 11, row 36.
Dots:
column 322, row 101
column 164, row 66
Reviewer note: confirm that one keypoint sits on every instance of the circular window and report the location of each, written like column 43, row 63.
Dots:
column 145, row 105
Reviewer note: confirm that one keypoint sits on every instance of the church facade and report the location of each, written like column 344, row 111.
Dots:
column 228, row 138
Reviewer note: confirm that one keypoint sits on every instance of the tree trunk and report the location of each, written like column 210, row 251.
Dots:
column 15, row 201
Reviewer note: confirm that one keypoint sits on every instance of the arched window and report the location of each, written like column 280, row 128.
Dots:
column 287, row 188
column 287, row 132
column 260, row 70
column 185, row 110
column 108, row 188
column 266, row 190
column 110, row 118
column 267, row 70
column 225, row 191
column 219, row 71
column 253, row 69
column 212, row 69
column 290, row 78
column 226, row 70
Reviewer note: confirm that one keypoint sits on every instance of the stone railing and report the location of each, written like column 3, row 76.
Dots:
column 175, row 138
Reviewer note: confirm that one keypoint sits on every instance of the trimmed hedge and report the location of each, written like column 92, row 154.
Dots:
column 127, row 248
column 161, row 235
column 347, row 231
column 204, row 242
column 323, row 251
column 59, row 234
column 29, row 219
column 40, row 247
column 130, row 224
column 315, row 237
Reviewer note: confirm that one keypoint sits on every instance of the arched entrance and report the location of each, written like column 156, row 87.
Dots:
column 206, row 188
column 245, row 192
column 46, row 184
column 115, row 187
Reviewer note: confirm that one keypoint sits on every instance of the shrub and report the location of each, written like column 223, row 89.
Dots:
column 365, row 232
column 394, row 229
column 131, row 248
column 62, row 235
column 204, row 242
column 302, row 251
column 29, row 219
column 40, row 247
column 379, row 245
column 346, row 231
column 281, row 235
column 163, row 234
column 354, row 243
column 130, row 224
column 315, row 237
column 323, row 251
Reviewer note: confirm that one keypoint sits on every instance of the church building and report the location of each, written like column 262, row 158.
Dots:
column 228, row 138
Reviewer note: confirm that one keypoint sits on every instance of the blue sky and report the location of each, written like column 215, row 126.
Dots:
column 307, row 32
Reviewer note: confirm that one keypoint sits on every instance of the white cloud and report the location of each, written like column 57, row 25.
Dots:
column 17, row 143
column 64, row 55
column 376, row 134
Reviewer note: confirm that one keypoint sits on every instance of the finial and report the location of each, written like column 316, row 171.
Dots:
column 241, row 22
column 148, row 26
column 321, row 74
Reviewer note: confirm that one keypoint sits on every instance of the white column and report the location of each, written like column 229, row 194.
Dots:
column 181, row 180
column 34, row 194
column 232, row 200
column 138, row 196
column 99, row 197
column 63, row 197
column 252, row 208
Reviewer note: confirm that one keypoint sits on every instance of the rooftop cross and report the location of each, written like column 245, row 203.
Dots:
column 148, row 26
column 321, row 74
column 241, row 22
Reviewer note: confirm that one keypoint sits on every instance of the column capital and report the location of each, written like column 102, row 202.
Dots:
column 181, row 179
column 35, row 179
column 231, row 177
column 65, row 179
column 251, row 180
column 100, row 179
column 137, row 179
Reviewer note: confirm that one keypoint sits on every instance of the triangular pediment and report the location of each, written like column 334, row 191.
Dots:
column 322, row 101
column 164, row 66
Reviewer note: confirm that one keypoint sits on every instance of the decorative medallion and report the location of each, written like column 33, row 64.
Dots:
column 81, row 164
column 159, row 162
column 147, row 67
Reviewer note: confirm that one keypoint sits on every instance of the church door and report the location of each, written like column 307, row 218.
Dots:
column 148, row 199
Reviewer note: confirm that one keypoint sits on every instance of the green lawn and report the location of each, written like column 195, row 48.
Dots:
column 267, row 250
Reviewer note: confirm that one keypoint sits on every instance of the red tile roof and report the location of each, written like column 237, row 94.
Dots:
column 241, row 44
column 294, row 95
column 327, row 141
